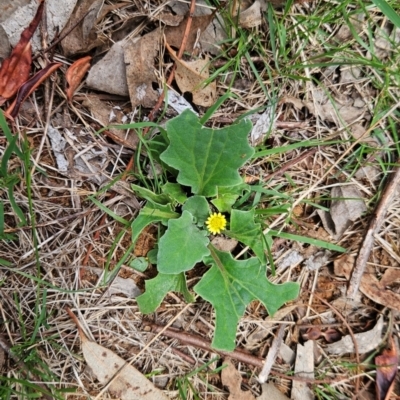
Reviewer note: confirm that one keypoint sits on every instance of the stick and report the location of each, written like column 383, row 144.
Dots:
column 373, row 227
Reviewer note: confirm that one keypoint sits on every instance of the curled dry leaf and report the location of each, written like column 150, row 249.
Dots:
column 29, row 86
column 125, row 381
column 190, row 76
column 15, row 70
column 386, row 371
column 75, row 74
column 346, row 206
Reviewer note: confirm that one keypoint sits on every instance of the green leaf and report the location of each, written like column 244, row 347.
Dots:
column 230, row 285
column 175, row 192
column 149, row 214
column 199, row 208
column 206, row 158
column 148, row 195
column 139, row 263
column 158, row 287
column 243, row 228
column 227, row 196
column 182, row 246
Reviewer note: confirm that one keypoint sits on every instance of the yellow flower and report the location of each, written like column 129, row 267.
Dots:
column 216, row 223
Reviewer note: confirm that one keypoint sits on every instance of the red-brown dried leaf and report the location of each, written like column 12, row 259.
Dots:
column 15, row 69
column 75, row 74
column 386, row 371
column 29, row 86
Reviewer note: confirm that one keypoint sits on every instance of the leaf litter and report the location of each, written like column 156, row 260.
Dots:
column 337, row 106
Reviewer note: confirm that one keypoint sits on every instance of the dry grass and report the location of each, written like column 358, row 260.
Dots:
column 48, row 265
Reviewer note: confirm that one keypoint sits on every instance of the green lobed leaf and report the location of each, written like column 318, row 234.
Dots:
column 148, row 195
column 182, row 246
column 227, row 196
column 206, row 158
column 230, row 285
column 244, row 229
column 158, row 287
column 149, row 214
column 198, row 207
column 175, row 192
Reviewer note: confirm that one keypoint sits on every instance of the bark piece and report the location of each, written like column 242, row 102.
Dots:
column 304, row 367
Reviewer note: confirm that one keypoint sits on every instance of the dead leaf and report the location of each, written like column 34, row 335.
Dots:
column 174, row 34
column 125, row 286
column 304, row 367
column 109, row 74
column 15, row 70
column 223, row 243
column 140, row 75
column 127, row 383
column 386, row 371
column 75, row 74
column 366, row 341
column 232, row 379
column 346, row 206
column 378, row 291
column 271, row 392
column 30, row 86
column 263, row 125
column 251, row 17
column 190, row 77
column 83, row 37
column 103, row 114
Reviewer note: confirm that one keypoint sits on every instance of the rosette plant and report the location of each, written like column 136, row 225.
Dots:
column 197, row 202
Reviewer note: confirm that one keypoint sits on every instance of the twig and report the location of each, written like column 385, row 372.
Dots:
column 239, row 355
column 373, row 227
column 290, row 164
column 272, row 354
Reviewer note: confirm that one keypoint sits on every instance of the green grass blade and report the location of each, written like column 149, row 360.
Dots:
column 388, row 11
column 7, row 133
column 304, row 239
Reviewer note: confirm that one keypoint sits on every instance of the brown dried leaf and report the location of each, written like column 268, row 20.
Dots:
column 251, row 17
column 15, row 70
column 346, row 206
column 139, row 60
column 83, row 37
column 174, row 34
column 109, row 74
column 75, row 74
column 102, row 113
column 190, row 77
column 30, row 86
column 386, row 371
column 127, row 383
column 232, row 379
column 378, row 291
